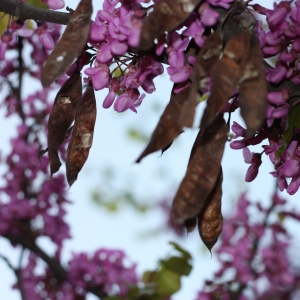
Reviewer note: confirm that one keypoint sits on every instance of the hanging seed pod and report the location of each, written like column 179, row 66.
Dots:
column 210, row 220
column 167, row 128
column 202, row 172
column 208, row 55
column 71, row 43
column 82, row 135
column 190, row 224
column 225, row 75
column 61, row 117
column 254, row 90
column 166, row 16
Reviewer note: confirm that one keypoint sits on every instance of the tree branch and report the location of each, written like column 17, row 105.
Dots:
column 52, row 262
column 25, row 11
column 17, row 272
column 19, row 275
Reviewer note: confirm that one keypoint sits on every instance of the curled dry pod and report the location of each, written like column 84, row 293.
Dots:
column 202, row 172
column 166, row 16
column 254, row 90
column 225, row 74
column 61, row 117
column 210, row 220
column 208, row 55
column 71, row 43
column 82, row 135
column 167, row 128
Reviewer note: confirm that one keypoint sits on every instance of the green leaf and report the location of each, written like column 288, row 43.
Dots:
column 149, row 276
column 168, row 282
column 293, row 121
column 165, row 281
column 178, row 265
column 186, row 254
column 38, row 3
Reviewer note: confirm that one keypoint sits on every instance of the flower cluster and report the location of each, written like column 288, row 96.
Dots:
column 114, row 35
column 249, row 251
column 281, row 43
column 105, row 269
column 119, row 66
column 31, row 203
column 41, row 283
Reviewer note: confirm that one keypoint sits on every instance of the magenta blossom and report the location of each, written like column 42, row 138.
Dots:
column 208, row 16
column 129, row 100
column 255, row 160
column 55, row 4
column 100, row 76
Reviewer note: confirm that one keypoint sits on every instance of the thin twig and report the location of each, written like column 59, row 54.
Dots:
column 8, row 262
column 19, row 275
column 20, row 81
column 25, row 11
column 16, row 272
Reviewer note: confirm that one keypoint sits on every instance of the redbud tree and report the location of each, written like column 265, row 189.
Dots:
column 236, row 55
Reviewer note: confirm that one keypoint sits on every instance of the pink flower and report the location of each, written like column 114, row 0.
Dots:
column 278, row 15
column 195, row 30
column 293, row 186
column 240, row 144
column 55, row 4
column 223, row 3
column 238, row 130
column 100, row 76
column 208, row 16
column 255, row 160
column 129, row 100
column 278, row 98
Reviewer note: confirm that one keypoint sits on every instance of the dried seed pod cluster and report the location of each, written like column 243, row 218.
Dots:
column 236, row 67
column 62, row 116
column 82, row 136
column 70, row 106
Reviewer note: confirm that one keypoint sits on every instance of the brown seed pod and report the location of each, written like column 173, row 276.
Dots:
column 61, row 117
column 202, row 172
column 226, row 73
column 190, row 224
column 166, row 16
column 208, row 55
column 82, row 135
column 254, row 90
column 210, row 220
column 71, row 43
column 167, row 128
